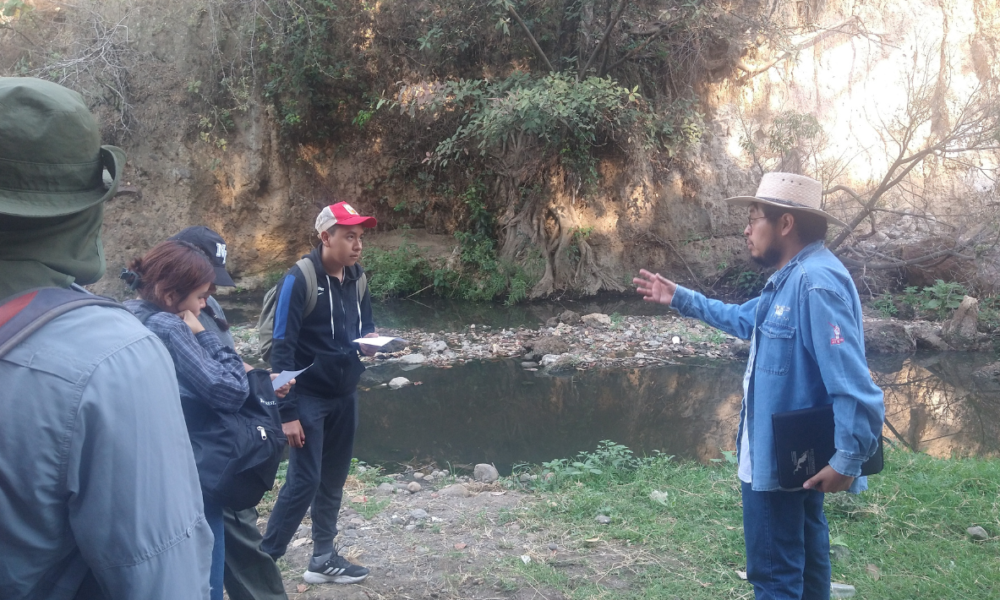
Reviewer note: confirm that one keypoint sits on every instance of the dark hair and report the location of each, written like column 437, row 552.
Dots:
column 171, row 266
column 809, row 226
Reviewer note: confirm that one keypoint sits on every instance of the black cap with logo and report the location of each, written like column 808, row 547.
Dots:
column 213, row 246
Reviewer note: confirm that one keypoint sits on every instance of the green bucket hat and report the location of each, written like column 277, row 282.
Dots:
column 51, row 159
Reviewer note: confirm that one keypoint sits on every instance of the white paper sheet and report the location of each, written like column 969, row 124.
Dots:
column 377, row 342
column 286, row 376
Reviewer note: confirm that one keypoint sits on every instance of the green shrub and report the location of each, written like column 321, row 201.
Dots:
column 935, row 302
column 885, row 306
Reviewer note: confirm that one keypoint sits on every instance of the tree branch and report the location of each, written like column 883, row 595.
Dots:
column 753, row 71
column 631, row 53
column 604, row 39
column 531, row 38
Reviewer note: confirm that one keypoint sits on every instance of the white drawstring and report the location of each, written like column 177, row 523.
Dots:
column 329, row 288
column 329, row 291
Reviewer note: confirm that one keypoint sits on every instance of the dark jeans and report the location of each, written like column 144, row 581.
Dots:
column 250, row 573
column 316, row 474
column 788, row 544
column 213, row 514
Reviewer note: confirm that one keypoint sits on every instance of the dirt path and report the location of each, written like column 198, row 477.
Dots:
column 437, row 545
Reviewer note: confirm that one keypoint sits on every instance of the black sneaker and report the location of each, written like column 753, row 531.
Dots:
column 333, row 568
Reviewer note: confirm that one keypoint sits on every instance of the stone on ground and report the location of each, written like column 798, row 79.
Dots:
column 486, row 473
column 978, row 533
column 597, row 320
column 456, row 490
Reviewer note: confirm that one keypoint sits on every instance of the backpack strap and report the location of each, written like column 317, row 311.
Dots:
column 312, row 287
column 26, row 313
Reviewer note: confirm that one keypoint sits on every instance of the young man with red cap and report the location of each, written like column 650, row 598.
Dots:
column 320, row 414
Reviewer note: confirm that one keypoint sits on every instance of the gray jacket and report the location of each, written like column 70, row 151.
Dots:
column 96, row 469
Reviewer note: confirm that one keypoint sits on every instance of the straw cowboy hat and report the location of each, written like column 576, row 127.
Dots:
column 51, row 159
column 790, row 191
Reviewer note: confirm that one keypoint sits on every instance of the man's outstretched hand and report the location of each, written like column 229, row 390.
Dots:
column 654, row 287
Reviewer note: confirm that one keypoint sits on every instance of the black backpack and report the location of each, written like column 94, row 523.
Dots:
column 237, row 453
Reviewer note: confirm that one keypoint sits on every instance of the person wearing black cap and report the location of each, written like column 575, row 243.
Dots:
column 99, row 490
column 250, row 573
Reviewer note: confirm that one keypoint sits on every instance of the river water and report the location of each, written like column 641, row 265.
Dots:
column 500, row 413
column 497, row 412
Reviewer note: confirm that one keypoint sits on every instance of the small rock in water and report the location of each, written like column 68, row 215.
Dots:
column 529, row 364
column 842, row 590
column 398, row 382
column 412, row 359
column 486, row 473
column 419, row 514
column 549, row 359
column 978, row 533
column 602, row 519
column 413, row 488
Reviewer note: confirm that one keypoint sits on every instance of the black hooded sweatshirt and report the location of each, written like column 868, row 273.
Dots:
column 324, row 338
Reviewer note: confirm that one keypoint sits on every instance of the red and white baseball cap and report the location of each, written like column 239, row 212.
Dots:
column 341, row 213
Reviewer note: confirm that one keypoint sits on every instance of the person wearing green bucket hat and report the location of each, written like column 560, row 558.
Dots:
column 98, row 484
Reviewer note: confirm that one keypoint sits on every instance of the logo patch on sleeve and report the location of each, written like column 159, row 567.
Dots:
column 837, row 338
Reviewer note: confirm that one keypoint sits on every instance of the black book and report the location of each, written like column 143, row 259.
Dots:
column 803, row 445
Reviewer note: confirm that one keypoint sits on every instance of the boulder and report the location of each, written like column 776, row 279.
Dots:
column 888, row 337
column 413, row 359
column 456, row 490
column 927, row 336
column 597, row 320
column 486, row 473
column 549, row 344
column 569, row 317
column 960, row 331
column 436, row 346
column 558, row 363
column 398, row 382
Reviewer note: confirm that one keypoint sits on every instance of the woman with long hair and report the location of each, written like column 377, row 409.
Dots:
column 173, row 281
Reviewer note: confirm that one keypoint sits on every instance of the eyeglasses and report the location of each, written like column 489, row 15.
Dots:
column 750, row 221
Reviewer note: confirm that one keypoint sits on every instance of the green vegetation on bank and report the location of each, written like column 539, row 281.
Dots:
column 906, row 536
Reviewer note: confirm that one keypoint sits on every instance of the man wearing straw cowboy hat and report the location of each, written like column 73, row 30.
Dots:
column 98, row 487
column 807, row 350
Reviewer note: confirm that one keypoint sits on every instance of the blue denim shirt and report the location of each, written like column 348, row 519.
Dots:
column 810, row 351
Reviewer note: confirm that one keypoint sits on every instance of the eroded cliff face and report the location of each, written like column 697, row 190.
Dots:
column 854, row 68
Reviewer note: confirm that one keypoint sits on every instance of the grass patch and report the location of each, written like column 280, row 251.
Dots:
column 907, row 534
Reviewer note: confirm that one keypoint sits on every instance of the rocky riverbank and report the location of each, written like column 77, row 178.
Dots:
column 574, row 342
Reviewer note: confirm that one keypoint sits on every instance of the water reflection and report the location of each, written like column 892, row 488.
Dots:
column 497, row 412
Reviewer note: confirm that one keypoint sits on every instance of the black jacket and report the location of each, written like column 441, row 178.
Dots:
column 323, row 339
